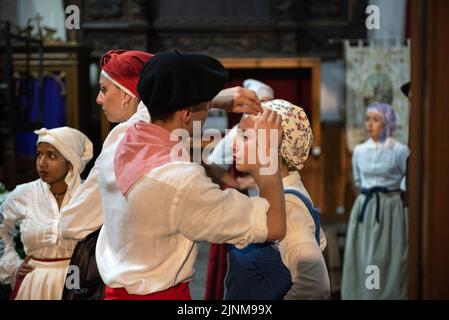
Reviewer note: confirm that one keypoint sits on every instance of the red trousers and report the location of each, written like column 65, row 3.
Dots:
column 178, row 292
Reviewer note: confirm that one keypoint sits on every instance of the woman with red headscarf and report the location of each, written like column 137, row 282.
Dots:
column 82, row 218
column 118, row 83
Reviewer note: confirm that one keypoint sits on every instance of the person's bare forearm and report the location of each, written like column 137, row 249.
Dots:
column 271, row 188
column 237, row 99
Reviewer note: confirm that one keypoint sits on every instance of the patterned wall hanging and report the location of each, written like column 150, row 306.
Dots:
column 375, row 74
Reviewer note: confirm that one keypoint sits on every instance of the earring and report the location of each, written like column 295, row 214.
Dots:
column 124, row 108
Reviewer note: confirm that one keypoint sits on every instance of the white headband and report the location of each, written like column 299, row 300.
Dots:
column 118, row 84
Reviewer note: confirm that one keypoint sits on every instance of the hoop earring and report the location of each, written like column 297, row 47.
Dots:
column 124, row 108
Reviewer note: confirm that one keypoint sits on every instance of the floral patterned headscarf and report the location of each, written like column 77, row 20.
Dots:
column 388, row 116
column 297, row 133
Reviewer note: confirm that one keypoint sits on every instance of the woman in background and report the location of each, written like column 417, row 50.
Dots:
column 61, row 156
column 375, row 260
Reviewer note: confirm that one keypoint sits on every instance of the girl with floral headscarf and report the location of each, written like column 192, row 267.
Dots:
column 293, row 268
column 61, row 156
column 376, row 239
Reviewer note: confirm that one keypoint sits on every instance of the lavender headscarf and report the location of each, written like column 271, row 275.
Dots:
column 388, row 116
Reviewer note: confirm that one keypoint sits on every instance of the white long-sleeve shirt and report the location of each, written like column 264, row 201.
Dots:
column 34, row 207
column 379, row 164
column 84, row 213
column 299, row 250
column 150, row 245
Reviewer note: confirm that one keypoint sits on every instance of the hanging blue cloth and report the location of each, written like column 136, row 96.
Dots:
column 54, row 110
column 29, row 112
column 257, row 272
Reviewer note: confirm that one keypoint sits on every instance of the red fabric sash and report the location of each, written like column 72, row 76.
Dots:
column 178, row 292
column 14, row 293
column 50, row 259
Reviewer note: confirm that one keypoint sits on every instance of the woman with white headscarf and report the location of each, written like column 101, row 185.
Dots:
column 293, row 268
column 61, row 156
column 375, row 260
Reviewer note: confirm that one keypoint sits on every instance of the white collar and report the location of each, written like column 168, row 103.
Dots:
column 293, row 179
column 389, row 142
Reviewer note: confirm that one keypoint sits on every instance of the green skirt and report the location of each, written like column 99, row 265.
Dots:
column 375, row 259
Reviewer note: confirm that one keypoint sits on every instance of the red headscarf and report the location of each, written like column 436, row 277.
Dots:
column 123, row 68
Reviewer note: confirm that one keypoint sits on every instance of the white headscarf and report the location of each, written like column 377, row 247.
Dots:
column 263, row 91
column 74, row 146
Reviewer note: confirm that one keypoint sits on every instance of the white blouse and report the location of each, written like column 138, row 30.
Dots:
column 299, row 250
column 147, row 244
column 379, row 164
column 84, row 213
column 34, row 207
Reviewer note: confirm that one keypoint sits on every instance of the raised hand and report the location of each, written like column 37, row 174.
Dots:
column 238, row 100
column 269, row 121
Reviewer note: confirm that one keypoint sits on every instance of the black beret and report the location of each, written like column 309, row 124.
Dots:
column 173, row 80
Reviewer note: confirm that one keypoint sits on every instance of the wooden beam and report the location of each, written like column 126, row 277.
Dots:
column 428, row 174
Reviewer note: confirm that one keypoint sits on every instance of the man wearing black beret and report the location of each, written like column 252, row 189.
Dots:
column 148, row 252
